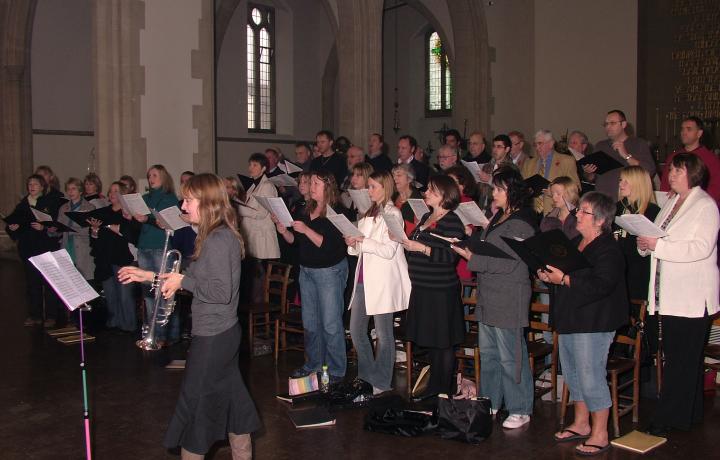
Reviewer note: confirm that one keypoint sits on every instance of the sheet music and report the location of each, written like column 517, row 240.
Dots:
column 344, row 225
column 289, row 167
column 362, row 200
column 283, row 180
column 639, row 225
column 60, row 272
column 395, row 227
column 471, row 214
column 133, row 204
column 41, row 216
column 661, row 198
column 170, row 218
column 451, row 240
column 329, row 211
column 275, row 205
column 475, row 169
column 418, row 206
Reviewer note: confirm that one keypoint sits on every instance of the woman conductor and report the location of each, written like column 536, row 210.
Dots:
column 214, row 402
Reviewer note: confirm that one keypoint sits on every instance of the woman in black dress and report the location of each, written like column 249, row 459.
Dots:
column 435, row 315
column 214, row 402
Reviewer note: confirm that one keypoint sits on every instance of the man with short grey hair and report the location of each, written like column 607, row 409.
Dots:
column 549, row 164
column 447, row 157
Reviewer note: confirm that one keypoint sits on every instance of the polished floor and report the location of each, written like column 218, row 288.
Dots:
column 132, row 396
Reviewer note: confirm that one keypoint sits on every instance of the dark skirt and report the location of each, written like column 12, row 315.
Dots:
column 213, row 398
column 435, row 317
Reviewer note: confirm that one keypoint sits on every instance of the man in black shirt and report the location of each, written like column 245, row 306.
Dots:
column 407, row 145
column 328, row 160
column 476, row 149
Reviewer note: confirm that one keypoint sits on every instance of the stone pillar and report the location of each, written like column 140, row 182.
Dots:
column 119, row 81
column 203, row 68
column 359, row 48
column 16, row 18
column 470, row 66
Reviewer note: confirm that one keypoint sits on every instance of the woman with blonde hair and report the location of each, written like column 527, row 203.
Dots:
column 636, row 197
column 214, row 402
column 565, row 195
column 359, row 176
column 383, row 269
column 151, row 241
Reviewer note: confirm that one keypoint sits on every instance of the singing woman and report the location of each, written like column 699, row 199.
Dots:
column 214, row 402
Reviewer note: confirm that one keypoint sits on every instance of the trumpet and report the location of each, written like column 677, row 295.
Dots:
column 162, row 308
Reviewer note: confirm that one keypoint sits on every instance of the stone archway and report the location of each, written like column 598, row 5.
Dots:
column 16, row 19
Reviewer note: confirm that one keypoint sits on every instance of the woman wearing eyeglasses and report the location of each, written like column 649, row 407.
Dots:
column 683, row 288
column 590, row 304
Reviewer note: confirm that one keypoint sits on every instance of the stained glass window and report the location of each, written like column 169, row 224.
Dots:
column 260, row 69
column 439, row 81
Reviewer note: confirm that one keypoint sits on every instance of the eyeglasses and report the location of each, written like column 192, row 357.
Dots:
column 585, row 211
column 537, row 144
column 610, row 123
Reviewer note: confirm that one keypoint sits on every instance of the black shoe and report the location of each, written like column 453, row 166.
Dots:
column 336, row 379
column 655, row 429
column 362, row 386
column 300, row 372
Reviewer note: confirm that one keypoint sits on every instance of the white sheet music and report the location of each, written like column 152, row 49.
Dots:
column 329, row 211
column 419, row 207
column 289, row 167
column 661, row 198
column 344, row 225
column 60, row 272
column 132, row 203
column 275, row 205
column 41, row 216
column 170, row 218
column 475, row 169
column 639, row 225
column 362, row 200
column 283, row 180
column 471, row 214
column 395, row 227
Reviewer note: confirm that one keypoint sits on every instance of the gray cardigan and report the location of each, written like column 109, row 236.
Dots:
column 503, row 294
column 214, row 280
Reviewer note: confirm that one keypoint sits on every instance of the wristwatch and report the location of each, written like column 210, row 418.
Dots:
column 628, row 157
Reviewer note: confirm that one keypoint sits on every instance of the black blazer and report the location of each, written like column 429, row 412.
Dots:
column 637, row 268
column 422, row 172
column 596, row 300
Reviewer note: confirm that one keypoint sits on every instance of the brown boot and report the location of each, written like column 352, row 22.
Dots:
column 241, row 445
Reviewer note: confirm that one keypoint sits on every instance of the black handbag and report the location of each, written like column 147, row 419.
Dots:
column 466, row 420
column 399, row 422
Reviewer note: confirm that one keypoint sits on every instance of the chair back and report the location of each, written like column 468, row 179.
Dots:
column 535, row 323
column 275, row 284
column 637, row 324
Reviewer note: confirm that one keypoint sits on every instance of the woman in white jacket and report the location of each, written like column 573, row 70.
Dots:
column 382, row 285
column 683, row 289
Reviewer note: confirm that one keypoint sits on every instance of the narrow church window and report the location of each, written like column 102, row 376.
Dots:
column 260, row 69
column 438, row 92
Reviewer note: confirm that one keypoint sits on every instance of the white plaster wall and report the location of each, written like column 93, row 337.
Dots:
column 585, row 63
column 170, row 34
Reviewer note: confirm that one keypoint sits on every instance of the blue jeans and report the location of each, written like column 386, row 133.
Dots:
column 584, row 364
column 498, row 365
column 120, row 302
column 150, row 259
column 322, row 290
column 376, row 369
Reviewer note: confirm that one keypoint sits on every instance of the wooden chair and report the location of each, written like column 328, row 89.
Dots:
column 469, row 349
column 403, row 344
column 288, row 321
column 621, row 404
column 539, row 349
column 275, row 286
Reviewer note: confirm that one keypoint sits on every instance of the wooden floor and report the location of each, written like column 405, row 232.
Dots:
column 132, row 397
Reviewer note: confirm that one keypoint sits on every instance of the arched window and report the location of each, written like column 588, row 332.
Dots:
column 261, row 68
column 438, row 88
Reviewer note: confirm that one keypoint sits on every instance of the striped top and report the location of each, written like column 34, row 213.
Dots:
column 438, row 269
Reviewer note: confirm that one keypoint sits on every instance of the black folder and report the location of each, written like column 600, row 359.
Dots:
column 602, row 160
column 537, row 184
column 59, row 227
column 105, row 214
column 16, row 218
column 478, row 246
column 548, row 248
column 312, row 417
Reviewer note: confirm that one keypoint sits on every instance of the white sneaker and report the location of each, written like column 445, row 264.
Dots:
column 515, row 421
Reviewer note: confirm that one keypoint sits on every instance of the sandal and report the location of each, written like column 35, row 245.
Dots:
column 575, row 436
column 600, row 450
